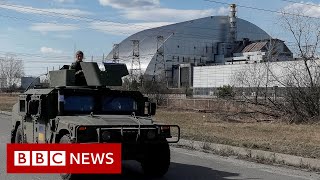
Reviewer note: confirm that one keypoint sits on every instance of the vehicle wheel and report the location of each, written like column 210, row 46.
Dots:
column 66, row 139
column 156, row 160
column 19, row 136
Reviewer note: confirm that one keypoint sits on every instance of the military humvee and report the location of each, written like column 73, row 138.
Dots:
column 64, row 112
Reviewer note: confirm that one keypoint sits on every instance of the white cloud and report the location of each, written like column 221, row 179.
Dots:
column 128, row 4
column 49, row 27
column 307, row 9
column 150, row 10
column 66, row 13
column 48, row 50
column 174, row 15
column 124, row 29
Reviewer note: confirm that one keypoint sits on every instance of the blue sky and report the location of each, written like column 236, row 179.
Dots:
column 44, row 33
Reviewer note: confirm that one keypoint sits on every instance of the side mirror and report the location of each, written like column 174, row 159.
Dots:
column 152, row 109
column 33, row 107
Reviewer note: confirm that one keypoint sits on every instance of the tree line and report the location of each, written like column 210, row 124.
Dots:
column 11, row 71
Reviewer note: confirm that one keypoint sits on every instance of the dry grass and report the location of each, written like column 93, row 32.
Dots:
column 301, row 140
column 6, row 102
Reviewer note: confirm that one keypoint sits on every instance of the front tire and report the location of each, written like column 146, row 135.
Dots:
column 66, row 139
column 156, row 160
column 19, row 136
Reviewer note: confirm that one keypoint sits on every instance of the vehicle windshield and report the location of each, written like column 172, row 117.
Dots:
column 79, row 103
column 84, row 104
column 124, row 104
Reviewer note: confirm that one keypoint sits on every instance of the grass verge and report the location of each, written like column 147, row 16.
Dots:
column 6, row 102
column 300, row 140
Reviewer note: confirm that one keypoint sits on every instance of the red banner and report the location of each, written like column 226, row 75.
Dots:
column 64, row 158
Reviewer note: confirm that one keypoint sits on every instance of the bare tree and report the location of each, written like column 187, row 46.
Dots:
column 299, row 80
column 11, row 69
column 252, row 78
column 302, row 82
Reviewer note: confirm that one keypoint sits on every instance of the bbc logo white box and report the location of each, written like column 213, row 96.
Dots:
column 40, row 158
column 22, row 158
column 58, row 158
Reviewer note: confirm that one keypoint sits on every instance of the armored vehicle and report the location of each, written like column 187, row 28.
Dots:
column 92, row 112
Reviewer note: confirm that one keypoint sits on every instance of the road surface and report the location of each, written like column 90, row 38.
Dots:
column 185, row 165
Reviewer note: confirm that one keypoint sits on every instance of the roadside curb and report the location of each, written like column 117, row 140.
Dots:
column 5, row 113
column 260, row 155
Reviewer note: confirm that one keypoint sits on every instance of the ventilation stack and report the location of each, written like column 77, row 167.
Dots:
column 233, row 24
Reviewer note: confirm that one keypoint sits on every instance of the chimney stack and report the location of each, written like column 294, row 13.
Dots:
column 233, row 24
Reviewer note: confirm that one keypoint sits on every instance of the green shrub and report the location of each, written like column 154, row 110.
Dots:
column 226, row 91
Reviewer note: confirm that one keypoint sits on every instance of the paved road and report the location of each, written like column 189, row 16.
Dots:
column 186, row 165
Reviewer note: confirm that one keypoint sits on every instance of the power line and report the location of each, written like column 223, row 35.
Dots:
column 265, row 10
column 88, row 19
column 76, row 17
column 126, row 33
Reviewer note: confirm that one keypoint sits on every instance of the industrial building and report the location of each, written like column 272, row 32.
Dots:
column 176, row 51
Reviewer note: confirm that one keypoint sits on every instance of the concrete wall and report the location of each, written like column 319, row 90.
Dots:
column 254, row 74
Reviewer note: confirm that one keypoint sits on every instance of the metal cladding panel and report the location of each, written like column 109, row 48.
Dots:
column 186, row 40
column 259, row 46
column 217, row 76
column 214, row 76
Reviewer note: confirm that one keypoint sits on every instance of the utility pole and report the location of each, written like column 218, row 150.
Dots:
column 159, row 66
column 135, row 70
column 115, row 52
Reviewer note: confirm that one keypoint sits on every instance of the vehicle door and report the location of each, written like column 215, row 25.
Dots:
column 34, row 110
column 26, row 120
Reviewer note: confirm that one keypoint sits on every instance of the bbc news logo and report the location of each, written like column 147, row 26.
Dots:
column 64, row 158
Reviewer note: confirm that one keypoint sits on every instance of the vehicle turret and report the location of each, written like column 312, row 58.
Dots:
column 93, row 76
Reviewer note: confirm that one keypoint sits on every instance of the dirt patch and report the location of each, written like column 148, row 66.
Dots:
column 7, row 101
column 246, row 131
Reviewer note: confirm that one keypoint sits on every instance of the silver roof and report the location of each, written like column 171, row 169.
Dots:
column 185, row 40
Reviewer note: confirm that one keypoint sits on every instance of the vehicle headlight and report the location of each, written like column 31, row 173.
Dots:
column 106, row 136
column 87, row 134
column 151, row 134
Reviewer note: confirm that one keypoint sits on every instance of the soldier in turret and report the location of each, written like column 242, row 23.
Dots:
column 79, row 76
